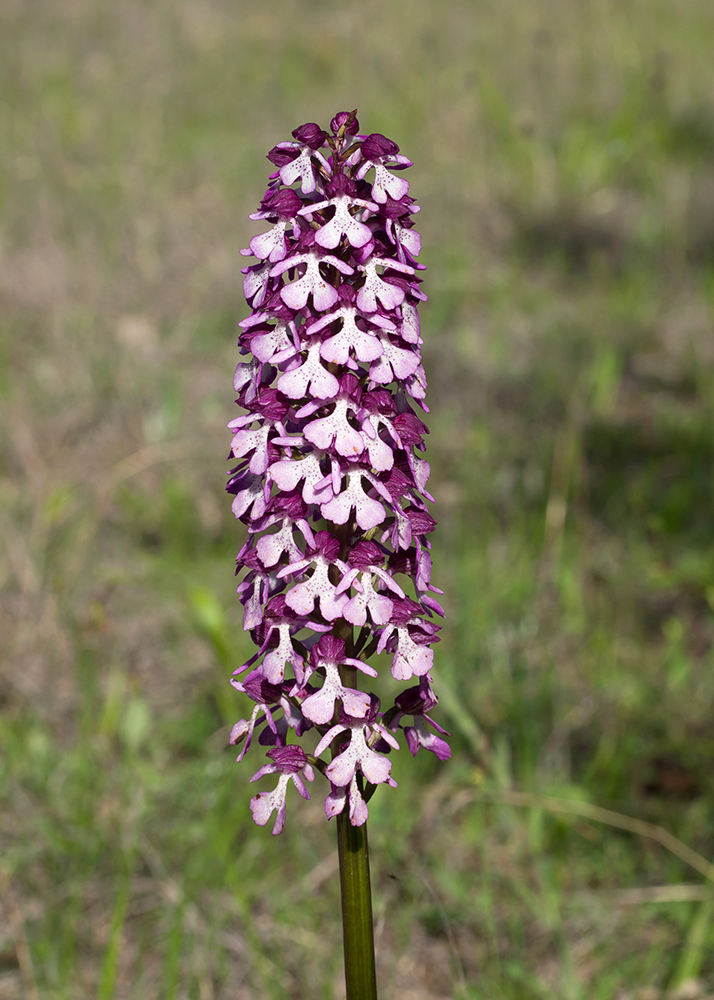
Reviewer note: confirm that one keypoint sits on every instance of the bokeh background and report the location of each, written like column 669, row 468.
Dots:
column 564, row 161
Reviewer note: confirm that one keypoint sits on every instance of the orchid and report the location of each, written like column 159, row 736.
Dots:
column 330, row 481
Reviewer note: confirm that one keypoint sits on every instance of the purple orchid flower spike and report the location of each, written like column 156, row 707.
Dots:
column 330, row 481
column 329, row 477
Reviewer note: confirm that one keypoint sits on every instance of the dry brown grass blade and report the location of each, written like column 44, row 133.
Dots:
column 660, row 894
column 139, row 461
column 600, row 815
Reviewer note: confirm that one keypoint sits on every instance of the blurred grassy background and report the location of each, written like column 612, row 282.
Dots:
column 564, row 160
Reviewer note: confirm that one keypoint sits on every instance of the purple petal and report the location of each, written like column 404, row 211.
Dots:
column 310, row 134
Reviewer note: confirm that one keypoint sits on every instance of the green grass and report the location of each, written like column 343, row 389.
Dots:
column 564, row 161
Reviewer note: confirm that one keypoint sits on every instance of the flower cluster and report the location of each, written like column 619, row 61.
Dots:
column 330, row 479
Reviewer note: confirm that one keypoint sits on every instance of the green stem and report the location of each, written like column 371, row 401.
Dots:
column 358, row 933
column 357, row 929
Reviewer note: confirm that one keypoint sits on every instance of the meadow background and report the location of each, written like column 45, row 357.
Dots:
column 564, row 161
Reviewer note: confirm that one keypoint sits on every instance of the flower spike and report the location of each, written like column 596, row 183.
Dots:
column 330, row 480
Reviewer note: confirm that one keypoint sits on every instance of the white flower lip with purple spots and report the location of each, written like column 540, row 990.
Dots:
column 330, row 481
